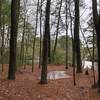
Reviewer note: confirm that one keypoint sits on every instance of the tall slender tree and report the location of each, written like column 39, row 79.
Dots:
column 0, row 14
column 1, row 23
column 35, row 36
column 76, row 36
column 40, row 34
column 57, row 30
column 13, row 39
column 66, row 35
column 45, row 45
column 22, row 51
column 93, row 55
column 96, row 20
column 2, row 44
column 49, row 44
column 73, row 46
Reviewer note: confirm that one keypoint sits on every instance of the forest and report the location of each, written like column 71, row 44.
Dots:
column 49, row 50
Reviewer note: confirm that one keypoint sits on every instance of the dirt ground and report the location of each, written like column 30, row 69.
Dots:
column 27, row 87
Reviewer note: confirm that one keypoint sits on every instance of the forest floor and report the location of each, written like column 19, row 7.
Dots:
column 27, row 87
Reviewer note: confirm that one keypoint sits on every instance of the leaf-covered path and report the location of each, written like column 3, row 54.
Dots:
column 27, row 87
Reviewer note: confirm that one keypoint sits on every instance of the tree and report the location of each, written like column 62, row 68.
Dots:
column 45, row 45
column 22, row 51
column 40, row 34
column 2, row 44
column 66, row 35
column 35, row 36
column 76, row 36
column 4, row 21
column 0, row 14
column 13, row 39
column 96, row 20
column 57, row 30
column 73, row 47
column 1, row 21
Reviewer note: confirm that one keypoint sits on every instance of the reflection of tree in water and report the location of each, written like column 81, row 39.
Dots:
column 57, row 75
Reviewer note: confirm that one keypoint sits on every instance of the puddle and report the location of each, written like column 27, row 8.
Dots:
column 57, row 75
column 88, row 64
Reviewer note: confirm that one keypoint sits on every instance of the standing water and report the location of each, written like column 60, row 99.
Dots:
column 57, row 75
column 88, row 64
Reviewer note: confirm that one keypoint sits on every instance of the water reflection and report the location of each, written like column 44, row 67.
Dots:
column 88, row 64
column 57, row 75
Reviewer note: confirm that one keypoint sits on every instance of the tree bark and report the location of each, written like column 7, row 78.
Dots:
column 45, row 45
column 35, row 36
column 93, row 57
column 73, row 49
column 13, row 39
column 0, row 15
column 2, row 45
column 96, row 20
column 40, row 35
column 66, row 35
column 57, row 31
column 76, row 37
column 22, row 43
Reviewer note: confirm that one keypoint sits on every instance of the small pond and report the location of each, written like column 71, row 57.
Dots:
column 88, row 64
column 57, row 75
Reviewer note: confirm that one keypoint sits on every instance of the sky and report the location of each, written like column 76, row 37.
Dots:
column 85, row 16
column 83, row 13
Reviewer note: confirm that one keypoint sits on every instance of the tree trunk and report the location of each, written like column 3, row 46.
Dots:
column 0, row 15
column 57, row 31
column 66, row 36
column 2, row 45
column 23, row 36
column 49, row 48
column 22, row 43
column 0, row 22
column 35, row 36
column 76, row 37
column 93, row 57
column 98, row 49
column 13, row 39
column 40, row 35
column 96, row 20
column 73, row 49
column 45, row 45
